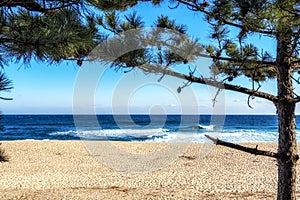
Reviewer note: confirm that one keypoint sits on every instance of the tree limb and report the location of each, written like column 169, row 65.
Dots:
column 237, row 60
column 294, row 45
column 254, row 151
column 34, row 6
column 209, row 82
column 8, row 99
column 29, row 5
column 296, row 61
column 297, row 99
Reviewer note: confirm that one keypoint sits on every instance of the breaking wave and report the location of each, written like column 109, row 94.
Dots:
column 115, row 134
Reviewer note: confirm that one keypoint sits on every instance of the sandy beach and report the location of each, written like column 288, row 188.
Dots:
column 67, row 170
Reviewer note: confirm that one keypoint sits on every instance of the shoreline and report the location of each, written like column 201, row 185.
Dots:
column 57, row 169
column 125, row 141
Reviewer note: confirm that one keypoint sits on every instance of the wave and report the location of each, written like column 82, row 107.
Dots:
column 115, row 134
column 249, row 136
column 229, row 136
column 208, row 128
column 166, row 135
column 131, row 134
column 197, row 128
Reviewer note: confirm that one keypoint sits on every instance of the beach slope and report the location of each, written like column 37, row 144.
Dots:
column 67, row 170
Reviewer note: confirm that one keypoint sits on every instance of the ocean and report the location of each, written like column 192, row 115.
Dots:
column 154, row 128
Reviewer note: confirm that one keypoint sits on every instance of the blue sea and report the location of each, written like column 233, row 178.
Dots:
column 154, row 128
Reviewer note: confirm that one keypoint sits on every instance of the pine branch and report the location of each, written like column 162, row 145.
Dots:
column 294, row 12
column 200, row 8
column 297, row 99
column 29, row 5
column 34, row 6
column 7, row 99
column 295, row 43
column 237, row 60
column 210, row 82
column 296, row 62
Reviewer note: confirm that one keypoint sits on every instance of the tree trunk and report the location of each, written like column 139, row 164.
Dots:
column 287, row 145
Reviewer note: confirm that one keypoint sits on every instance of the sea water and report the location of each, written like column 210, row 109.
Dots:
column 154, row 128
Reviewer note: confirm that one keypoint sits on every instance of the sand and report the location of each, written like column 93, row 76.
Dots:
column 67, row 170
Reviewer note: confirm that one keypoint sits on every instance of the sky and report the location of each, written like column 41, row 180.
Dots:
column 66, row 88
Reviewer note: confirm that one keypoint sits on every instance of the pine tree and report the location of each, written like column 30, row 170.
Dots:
column 233, row 56
column 46, row 30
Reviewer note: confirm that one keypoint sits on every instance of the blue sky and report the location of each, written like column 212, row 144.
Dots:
column 49, row 89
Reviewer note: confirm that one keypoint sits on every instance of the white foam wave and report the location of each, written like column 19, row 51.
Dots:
column 237, row 136
column 208, row 128
column 249, row 136
column 122, row 134
column 181, row 137
column 165, row 135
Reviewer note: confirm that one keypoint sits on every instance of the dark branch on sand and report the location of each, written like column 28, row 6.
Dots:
column 254, row 151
